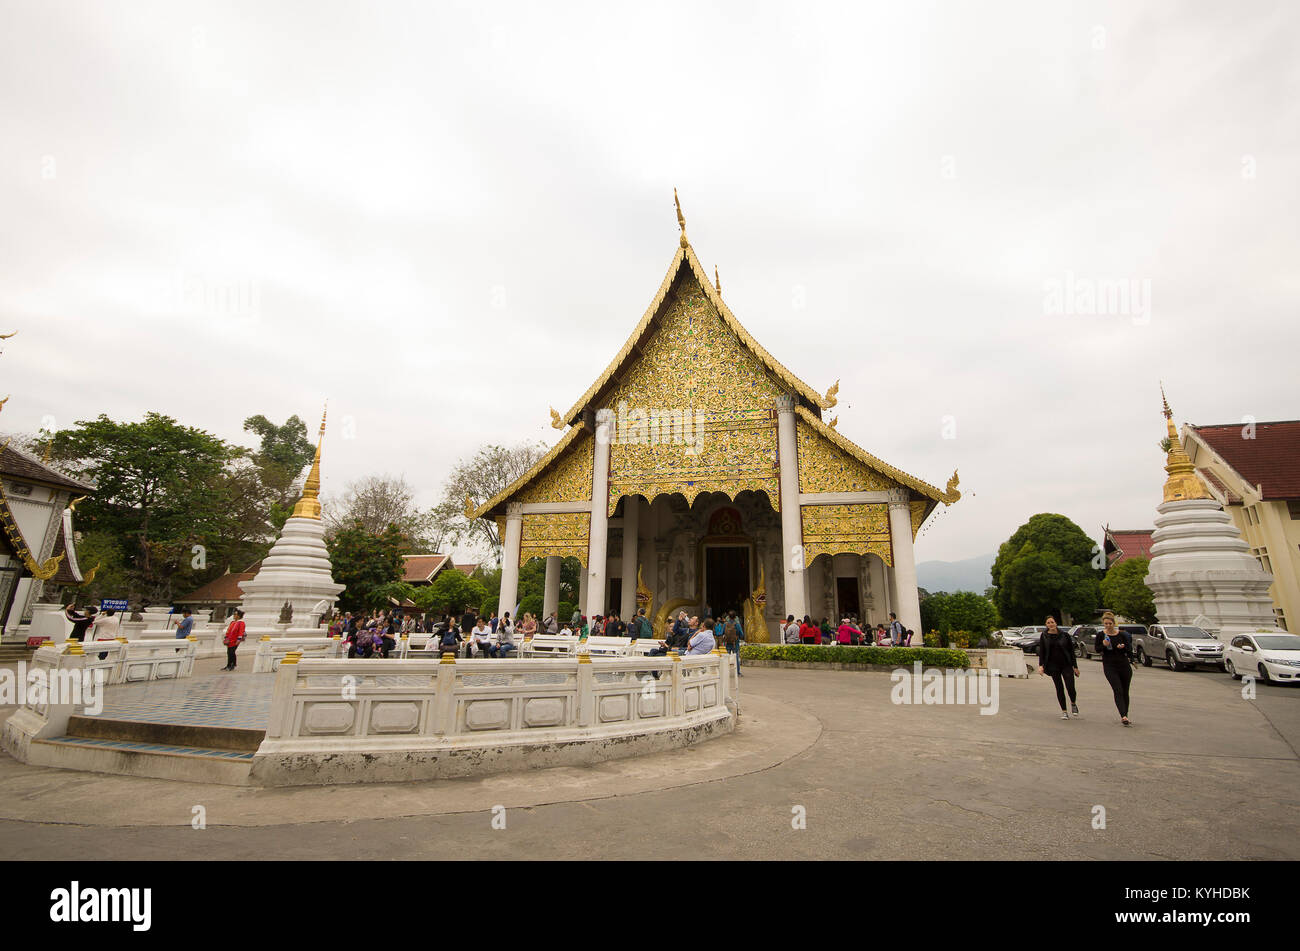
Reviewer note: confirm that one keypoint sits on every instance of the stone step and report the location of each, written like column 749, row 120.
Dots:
column 215, row 738
column 151, row 760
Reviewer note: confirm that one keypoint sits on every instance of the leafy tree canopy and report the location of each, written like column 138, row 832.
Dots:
column 366, row 562
column 1124, row 590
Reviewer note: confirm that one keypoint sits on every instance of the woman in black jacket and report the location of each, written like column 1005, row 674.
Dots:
column 1116, row 662
column 1056, row 659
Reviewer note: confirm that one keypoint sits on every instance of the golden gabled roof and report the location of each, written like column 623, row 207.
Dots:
column 686, row 255
column 884, row 468
column 528, row 476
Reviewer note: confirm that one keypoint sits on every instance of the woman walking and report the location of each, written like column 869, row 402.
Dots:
column 234, row 637
column 1116, row 662
column 1056, row 659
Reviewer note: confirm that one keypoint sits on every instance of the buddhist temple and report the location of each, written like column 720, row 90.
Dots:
column 698, row 473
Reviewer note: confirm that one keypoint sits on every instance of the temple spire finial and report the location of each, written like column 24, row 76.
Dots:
column 1183, row 482
column 681, row 220
column 309, row 505
column 717, row 281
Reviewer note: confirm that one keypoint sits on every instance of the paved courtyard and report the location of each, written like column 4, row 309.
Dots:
column 1203, row 774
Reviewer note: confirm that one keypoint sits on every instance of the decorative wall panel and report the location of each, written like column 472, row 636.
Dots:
column 825, row 467
column 561, row 533
column 567, row 479
column 858, row 528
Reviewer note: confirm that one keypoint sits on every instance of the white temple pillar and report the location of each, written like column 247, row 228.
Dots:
column 510, row 560
column 792, row 556
column 900, row 536
column 551, row 591
column 597, row 552
column 631, row 524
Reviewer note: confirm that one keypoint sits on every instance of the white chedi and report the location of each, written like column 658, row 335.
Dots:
column 1202, row 571
column 297, row 569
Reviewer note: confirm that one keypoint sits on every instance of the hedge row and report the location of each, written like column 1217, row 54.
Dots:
column 837, row 654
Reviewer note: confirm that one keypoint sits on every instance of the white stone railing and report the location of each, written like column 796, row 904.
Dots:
column 45, row 713
column 413, row 704
column 271, row 651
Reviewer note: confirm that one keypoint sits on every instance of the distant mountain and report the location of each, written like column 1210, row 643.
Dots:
column 970, row 574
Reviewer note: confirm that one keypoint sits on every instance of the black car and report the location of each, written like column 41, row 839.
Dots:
column 1027, row 639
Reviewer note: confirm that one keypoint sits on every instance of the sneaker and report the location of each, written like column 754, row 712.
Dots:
column 1074, row 708
column 1125, row 721
column 1064, row 715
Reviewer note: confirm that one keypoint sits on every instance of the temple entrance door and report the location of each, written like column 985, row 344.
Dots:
column 615, row 595
column 726, row 578
column 846, row 592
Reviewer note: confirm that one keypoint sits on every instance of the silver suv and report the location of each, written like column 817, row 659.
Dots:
column 1181, row 646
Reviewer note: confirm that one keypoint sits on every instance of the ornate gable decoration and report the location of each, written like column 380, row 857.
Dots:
column 857, row 528
column 568, row 479
column 825, row 467
column 693, row 412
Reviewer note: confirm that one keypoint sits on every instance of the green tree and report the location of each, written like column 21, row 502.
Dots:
column 179, row 502
column 451, row 593
column 283, row 454
column 959, row 611
column 1049, row 566
column 365, row 562
column 1124, row 590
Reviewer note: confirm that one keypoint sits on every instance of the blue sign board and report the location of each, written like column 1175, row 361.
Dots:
column 108, row 604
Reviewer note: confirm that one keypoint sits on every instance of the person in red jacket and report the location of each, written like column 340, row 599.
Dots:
column 234, row 637
column 809, row 633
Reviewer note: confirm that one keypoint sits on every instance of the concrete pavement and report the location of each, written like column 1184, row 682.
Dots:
column 823, row 765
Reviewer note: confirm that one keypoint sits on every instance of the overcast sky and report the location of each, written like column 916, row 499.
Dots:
column 446, row 217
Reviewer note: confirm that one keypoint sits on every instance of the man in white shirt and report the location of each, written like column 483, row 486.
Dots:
column 482, row 637
column 791, row 630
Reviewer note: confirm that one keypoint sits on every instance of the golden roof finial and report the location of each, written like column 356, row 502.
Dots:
column 681, row 221
column 717, row 282
column 309, row 505
column 469, row 506
column 1183, row 482
column 834, row 422
column 556, row 421
column 45, row 456
column 830, row 399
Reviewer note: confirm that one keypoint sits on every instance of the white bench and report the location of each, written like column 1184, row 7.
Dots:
column 550, row 645
column 599, row 645
column 642, row 646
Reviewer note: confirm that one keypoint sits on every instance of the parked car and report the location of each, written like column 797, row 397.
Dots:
column 1085, row 637
column 1180, row 646
column 1027, row 638
column 1273, row 656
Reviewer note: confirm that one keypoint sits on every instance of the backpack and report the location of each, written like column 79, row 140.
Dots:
column 729, row 633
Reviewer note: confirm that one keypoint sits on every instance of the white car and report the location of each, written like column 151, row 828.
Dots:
column 1270, row 656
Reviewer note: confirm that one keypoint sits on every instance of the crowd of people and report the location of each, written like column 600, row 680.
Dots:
column 850, row 632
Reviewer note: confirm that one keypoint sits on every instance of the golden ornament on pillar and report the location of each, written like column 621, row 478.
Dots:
column 644, row 596
column 755, row 624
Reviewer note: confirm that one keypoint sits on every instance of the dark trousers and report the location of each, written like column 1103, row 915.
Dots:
column 230, row 657
column 1064, row 680
column 1120, row 676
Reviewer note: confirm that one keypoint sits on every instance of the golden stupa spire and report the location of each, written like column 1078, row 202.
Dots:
column 309, row 505
column 681, row 221
column 1183, row 482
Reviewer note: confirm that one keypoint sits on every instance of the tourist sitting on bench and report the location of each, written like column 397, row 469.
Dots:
column 481, row 637
column 449, row 642
column 505, row 637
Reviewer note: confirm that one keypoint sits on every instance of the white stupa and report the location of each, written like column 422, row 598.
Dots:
column 297, row 569
column 1202, row 571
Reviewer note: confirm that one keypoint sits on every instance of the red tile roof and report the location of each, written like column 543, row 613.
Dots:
column 422, row 567
column 1271, row 460
column 467, row 570
column 1128, row 543
column 226, row 588
column 1216, row 483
